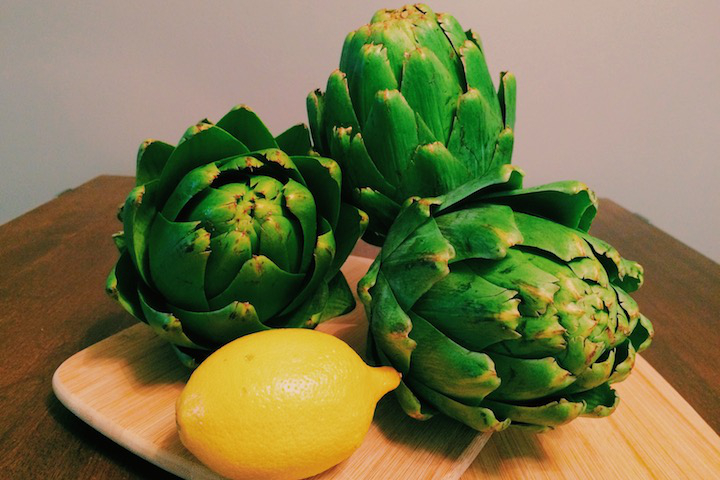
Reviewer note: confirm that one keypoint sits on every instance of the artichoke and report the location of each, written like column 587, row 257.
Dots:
column 412, row 111
column 232, row 232
column 497, row 305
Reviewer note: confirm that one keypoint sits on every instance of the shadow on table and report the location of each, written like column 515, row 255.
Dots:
column 98, row 454
column 440, row 435
column 509, row 446
column 136, row 353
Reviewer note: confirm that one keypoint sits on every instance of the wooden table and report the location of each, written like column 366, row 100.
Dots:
column 53, row 264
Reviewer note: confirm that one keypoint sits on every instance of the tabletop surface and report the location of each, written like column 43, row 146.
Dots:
column 53, row 265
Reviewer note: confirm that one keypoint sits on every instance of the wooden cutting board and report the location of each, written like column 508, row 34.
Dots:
column 125, row 386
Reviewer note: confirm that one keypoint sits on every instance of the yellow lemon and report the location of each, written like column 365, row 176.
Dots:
column 280, row 404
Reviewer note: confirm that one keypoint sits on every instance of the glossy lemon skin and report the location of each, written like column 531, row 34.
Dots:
column 280, row 404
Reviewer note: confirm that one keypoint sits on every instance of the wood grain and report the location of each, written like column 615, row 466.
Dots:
column 126, row 387
column 681, row 296
column 654, row 433
column 53, row 264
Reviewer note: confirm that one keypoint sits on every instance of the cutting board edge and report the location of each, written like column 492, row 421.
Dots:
column 141, row 447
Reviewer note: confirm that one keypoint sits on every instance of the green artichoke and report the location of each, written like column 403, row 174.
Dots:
column 497, row 305
column 232, row 232
column 412, row 111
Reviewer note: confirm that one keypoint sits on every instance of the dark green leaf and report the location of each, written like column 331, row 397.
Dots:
column 482, row 231
column 244, row 124
column 448, row 368
column 475, row 132
column 219, row 327
column 178, row 254
column 151, row 158
column 295, row 140
column 431, row 91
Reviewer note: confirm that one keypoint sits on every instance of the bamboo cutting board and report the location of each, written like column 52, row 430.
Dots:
column 126, row 386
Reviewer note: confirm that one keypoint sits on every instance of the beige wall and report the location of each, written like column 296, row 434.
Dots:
column 622, row 95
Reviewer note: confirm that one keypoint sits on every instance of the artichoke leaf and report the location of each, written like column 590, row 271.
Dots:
column 295, row 140
column 281, row 243
column 348, row 148
column 122, row 285
column 475, row 132
column 552, row 414
column 417, row 264
column 228, row 252
column 302, row 205
column 594, row 375
column 390, row 326
column 391, row 134
column 624, row 361
column 506, row 177
column 396, row 40
column 448, row 368
column 364, row 287
column 381, row 209
column 412, row 405
column 431, row 90
column 189, row 358
column 178, row 254
column 407, row 400
column 151, row 158
column 528, row 379
column 543, row 234
column 503, row 149
column 581, row 352
column 340, row 299
column 600, row 401
column 261, row 283
column 118, row 239
column 540, row 337
column 194, row 182
column 352, row 51
column 331, row 299
column 590, row 269
column 350, row 227
column 480, row 418
column 208, row 144
column 477, row 75
column 166, row 325
column 315, row 105
column 470, row 310
column 276, row 164
column 430, row 35
column 324, row 179
column 516, row 271
column 338, row 109
column 244, row 124
column 482, row 231
column 507, row 98
column 323, row 254
column 570, row 203
column 371, row 75
column 452, row 29
column 139, row 213
column 642, row 334
column 625, row 274
column 218, row 327
column 433, row 171
column 414, row 213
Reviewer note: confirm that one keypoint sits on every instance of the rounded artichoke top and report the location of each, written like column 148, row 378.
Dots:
column 233, row 231
column 411, row 110
column 414, row 50
column 497, row 305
